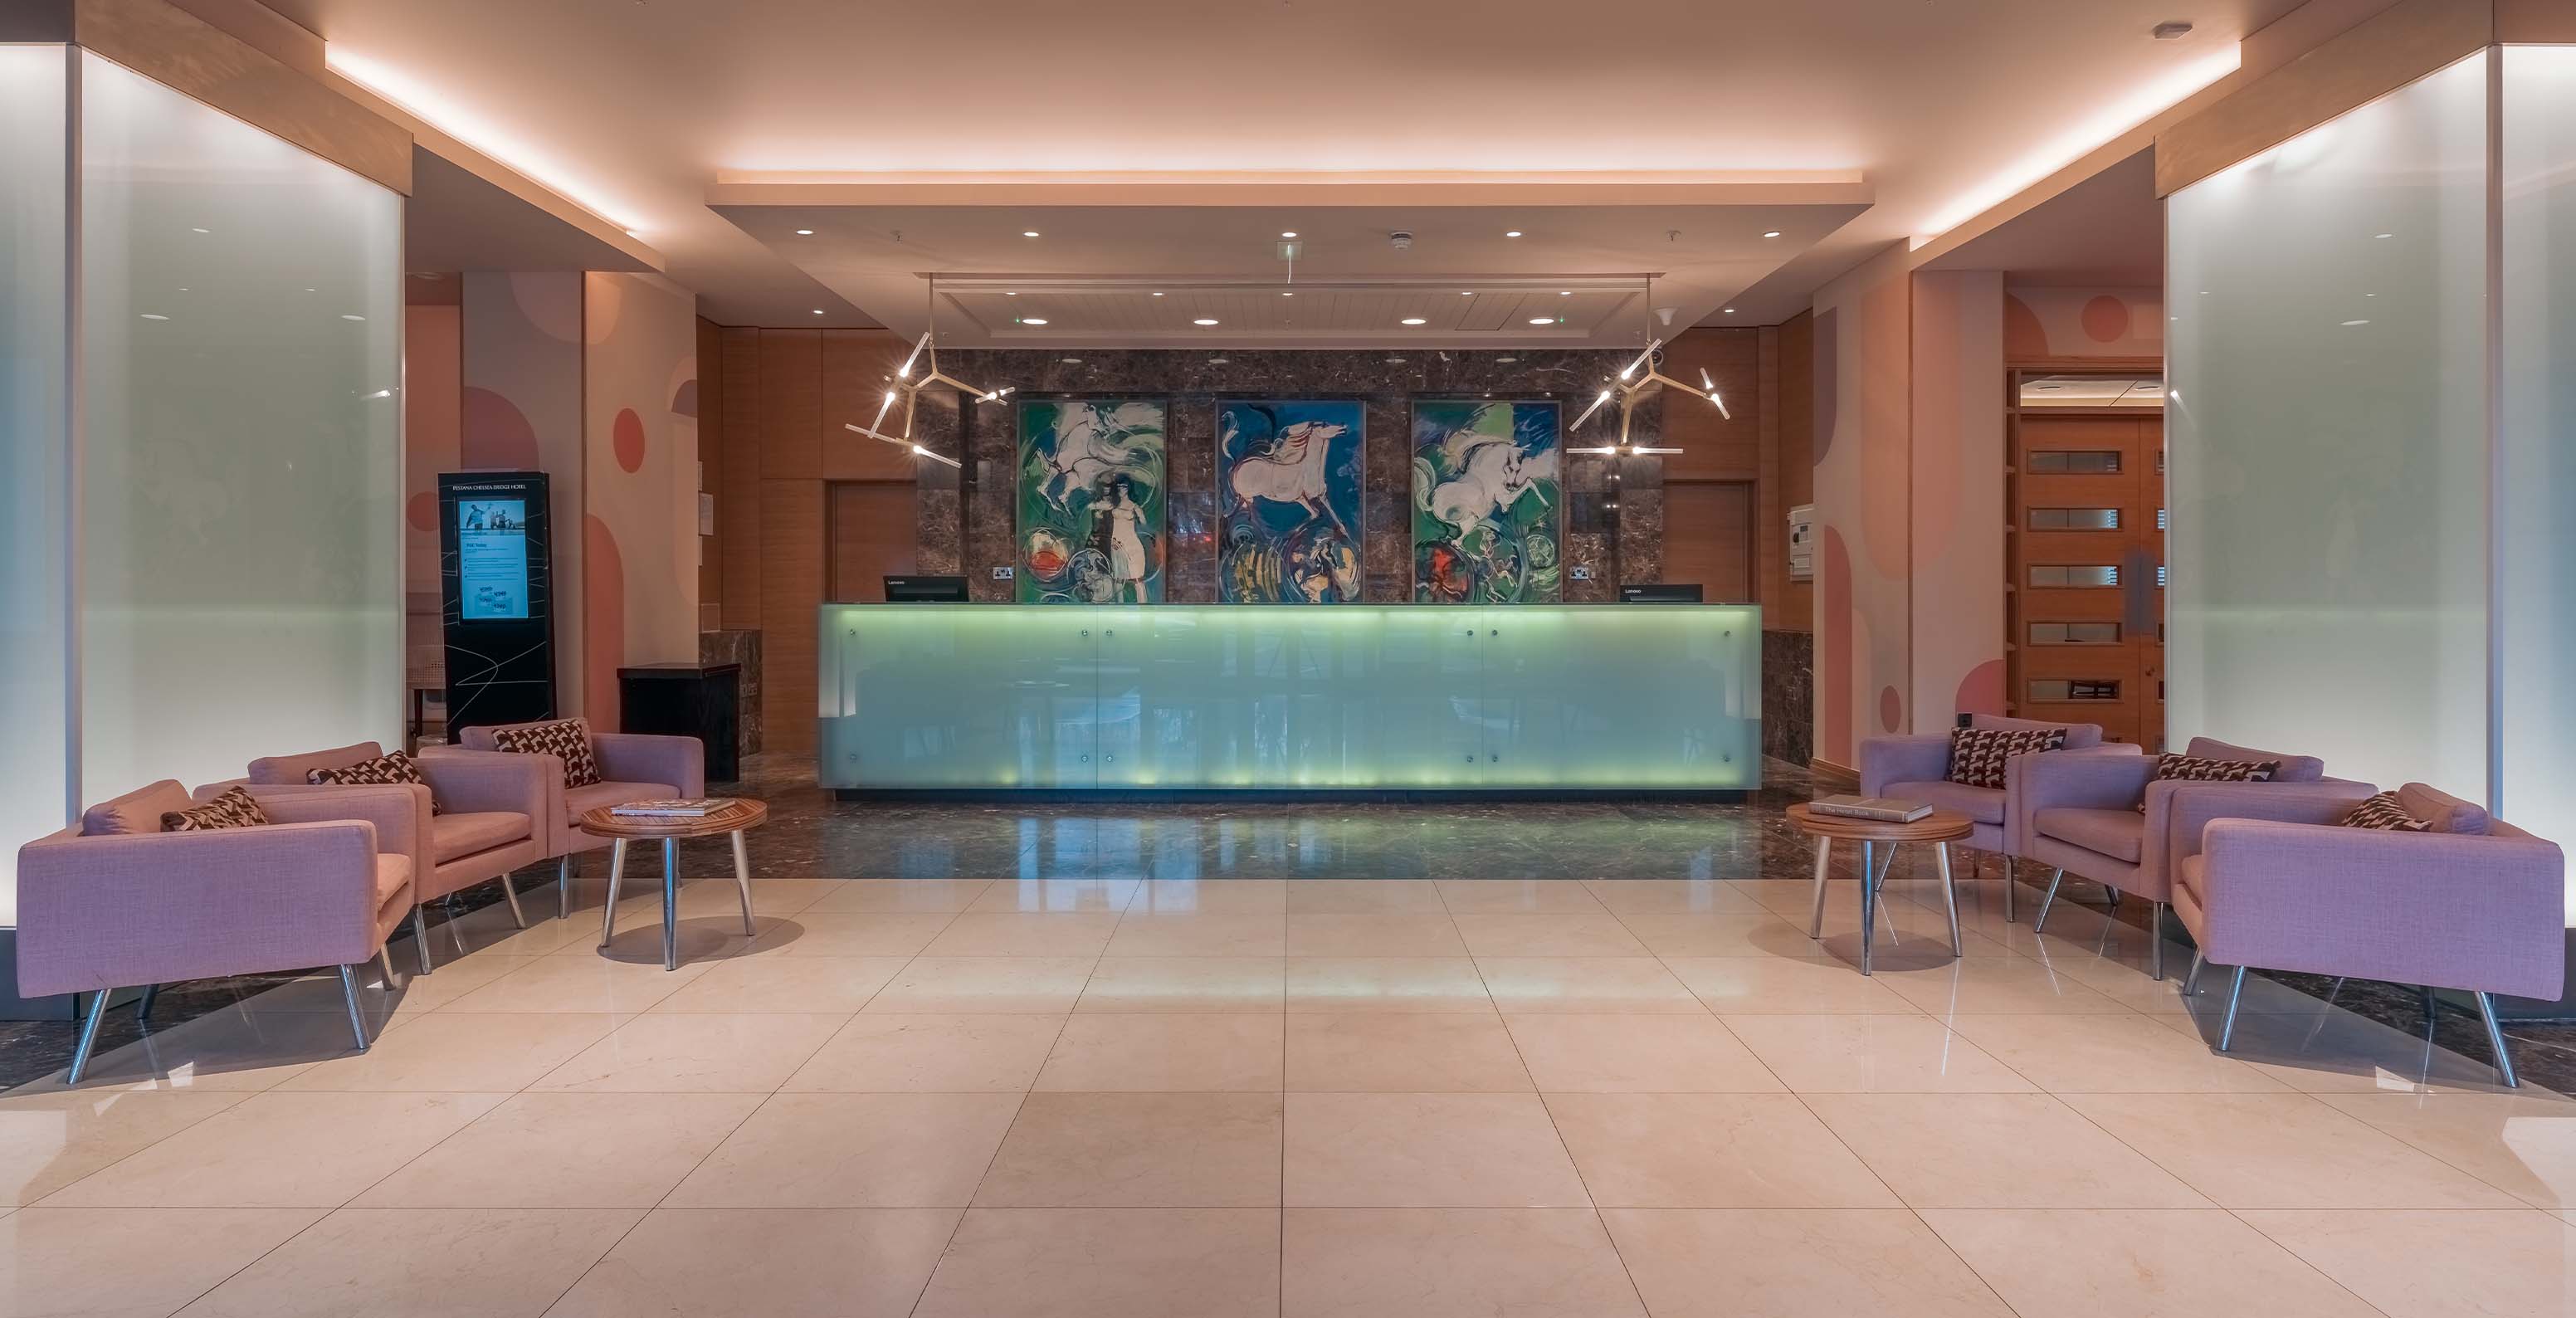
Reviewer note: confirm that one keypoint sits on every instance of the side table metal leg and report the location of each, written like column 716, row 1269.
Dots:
column 670, row 903
column 1949, row 896
column 616, row 873
column 1824, row 853
column 742, row 878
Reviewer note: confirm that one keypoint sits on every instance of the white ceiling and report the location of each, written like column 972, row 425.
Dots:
column 638, row 108
column 2108, row 230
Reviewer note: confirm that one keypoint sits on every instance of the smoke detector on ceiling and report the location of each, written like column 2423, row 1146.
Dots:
column 2175, row 31
column 1400, row 240
column 1665, row 314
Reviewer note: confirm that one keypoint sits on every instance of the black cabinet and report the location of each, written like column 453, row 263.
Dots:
column 687, row 700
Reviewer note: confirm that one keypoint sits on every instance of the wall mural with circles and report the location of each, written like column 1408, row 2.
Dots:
column 1091, row 501
column 1288, row 487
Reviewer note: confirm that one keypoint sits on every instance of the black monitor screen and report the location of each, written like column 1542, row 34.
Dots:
column 925, row 590
column 1659, row 592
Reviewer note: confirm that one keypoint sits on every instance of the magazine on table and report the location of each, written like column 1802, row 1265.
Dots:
column 1883, row 809
column 681, row 809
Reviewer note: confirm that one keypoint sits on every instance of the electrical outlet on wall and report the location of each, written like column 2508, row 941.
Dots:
column 1582, row 572
column 1004, row 573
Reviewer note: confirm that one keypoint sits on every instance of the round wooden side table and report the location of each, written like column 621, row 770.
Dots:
column 1939, row 828
column 730, row 815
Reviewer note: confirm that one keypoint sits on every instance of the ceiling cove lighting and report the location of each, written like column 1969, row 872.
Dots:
column 2140, row 104
column 904, row 385
column 1632, row 385
column 465, row 126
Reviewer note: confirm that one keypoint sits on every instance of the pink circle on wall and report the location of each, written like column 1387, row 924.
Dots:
column 421, row 510
column 1891, row 709
column 2106, row 319
column 1982, row 690
column 494, row 435
column 626, row 439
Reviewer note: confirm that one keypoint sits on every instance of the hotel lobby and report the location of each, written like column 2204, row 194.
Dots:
column 1457, row 661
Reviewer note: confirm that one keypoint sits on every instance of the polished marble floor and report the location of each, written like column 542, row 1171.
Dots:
column 1133, row 1096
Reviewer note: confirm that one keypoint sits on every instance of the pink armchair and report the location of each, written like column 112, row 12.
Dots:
column 2081, row 813
column 1917, row 768
column 632, row 767
column 493, row 820
column 2468, row 910
column 326, row 882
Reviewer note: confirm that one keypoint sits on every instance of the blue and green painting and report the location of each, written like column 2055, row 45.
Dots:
column 1486, row 503
column 1289, row 472
column 1091, row 497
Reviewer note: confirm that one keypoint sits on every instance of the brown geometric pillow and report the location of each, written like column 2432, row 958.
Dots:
column 2383, row 812
column 568, row 738
column 391, row 768
column 231, row 808
column 2200, row 769
column 1978, row 755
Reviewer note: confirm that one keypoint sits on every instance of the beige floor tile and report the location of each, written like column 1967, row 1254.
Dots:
column 130, row 1262
column 1138, row 1151
column 1043, row 985
column 1120, row 1053
column 579, row 984
column 1426, row 1151
column 224, row 1050
column 876, row 896
column 488, row 931
column 832, row 933
column 790, row 985
column 412, row 995
column 1996, row 1151
column 1722, row 933
column 1585, row 984
column 279, row 1150
column 1190, row 933
column 1394, row 983
column 1719, row 1263
column 992, row 1054
column 1754, row 985
column 853, row 1151
column 48, row 1141
column 715, row 895
column 1085, row 896
column 2125, row 1054
column 1637, row 1054
column 459, row 1052
column 1503, row 896
column 1704, row 896
column 1211, row 897
column 2283, row 1151
column 2524, row 1145
column 1547, row 933
column 2438, row 1264
column 1451, row 1263
column 773, row 1262
column 1873, row 1055
column 695, row 1054
column 1364, row 897
column 696, row 940
column 2336, row 1052
column 1710, row 1151
column 1374, row 934
column 1183, row 983
column 567, row 1151
column 2138, row 1263
column 1794, row 899
column 1381, row 1052
column 1109, row 1263
column 421, row 1263
column 2011, row 986
column 1023, row 934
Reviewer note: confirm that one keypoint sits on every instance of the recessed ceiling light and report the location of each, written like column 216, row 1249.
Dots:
column 1565, row 292
column 1730, row 311
column 804, row 233
column 1542, row 320
column 1287, row 295
column 1771, row 233
column 1032, row 320
column 1010, row 295
column 1028, row 233
column 1511, row 233
column 1288, row 233
column 1158, row 295
column 1415, row 320
column 1204, row 320
column 818, row 311
column 1466, row 292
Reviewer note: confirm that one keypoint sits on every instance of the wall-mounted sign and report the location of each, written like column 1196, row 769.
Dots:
column 496, row 581
column 1802, row 547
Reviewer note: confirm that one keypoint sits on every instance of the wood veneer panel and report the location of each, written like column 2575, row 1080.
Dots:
column 855, row 364
column 1713, row 447
column 1708, row 537
column 791, row 404
column 711, row 441
column 873, row 536
column 738, row 490
column 791, row 593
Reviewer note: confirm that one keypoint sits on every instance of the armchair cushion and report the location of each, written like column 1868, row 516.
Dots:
column 1982, row 805
column 2119, row 834
column 231, row 808
column 454, row 837
column 393, row 879
column 566, row 739
column 288, row 770
column 138, row 811
column 2079, row 736
column 1978, row 755
column 2383, row 812
column 582, row 800
column 2441, row 811
column 2293, row 768
column 394, row 767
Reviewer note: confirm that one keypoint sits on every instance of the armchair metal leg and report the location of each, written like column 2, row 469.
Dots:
column 385, row 958
column 420, row 937
column 2235, row 990
column 2040, row 925
column 357, row 1018
column 510, row 891
column 2191, row 980
column 143, row 1007
column 742, row 878
column 2156, row 938
column 563, row 887
column 2495, row 1040
column 88, row 1036
column 616, row 872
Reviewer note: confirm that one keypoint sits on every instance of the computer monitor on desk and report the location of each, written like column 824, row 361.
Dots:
column 1659, row 592
column 925, row 590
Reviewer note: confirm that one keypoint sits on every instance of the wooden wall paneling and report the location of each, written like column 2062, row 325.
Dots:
column 791, row 592
column 711, row 470
column 791, row 404
column 1770, row 553
column 1795, row 610
column 1714, row 447
column 855, row 364
column 872, row 535
column 1708, row 537
column 738, row 490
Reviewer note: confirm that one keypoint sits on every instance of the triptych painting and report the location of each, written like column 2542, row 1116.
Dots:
column 1487, row 503
column 1091, row 498
column 1288, row 482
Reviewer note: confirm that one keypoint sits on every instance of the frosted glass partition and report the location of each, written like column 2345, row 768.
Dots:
column 2536, row 446
column 35, row 473
column 1392, row 697
column 240, row 584
column 2327, row 432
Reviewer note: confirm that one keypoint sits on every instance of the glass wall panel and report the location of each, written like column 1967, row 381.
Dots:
column 2327, row 425
column 34, row 459
column 2536, row 454
column 241, row 589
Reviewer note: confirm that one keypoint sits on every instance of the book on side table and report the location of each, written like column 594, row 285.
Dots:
column 1870, row 807
column 689, row 809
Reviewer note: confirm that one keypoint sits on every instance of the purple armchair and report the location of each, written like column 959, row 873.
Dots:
column 325, row 883
column 1917, row 768
column 493, row 817
column 2081, row 814
column 2474, row 905
column 632, row 767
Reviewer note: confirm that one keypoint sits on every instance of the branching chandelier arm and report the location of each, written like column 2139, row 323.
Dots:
column 903, row 386
column 1641, row 377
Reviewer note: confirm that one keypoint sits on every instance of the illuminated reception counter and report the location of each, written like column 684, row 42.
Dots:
column 1351, row 697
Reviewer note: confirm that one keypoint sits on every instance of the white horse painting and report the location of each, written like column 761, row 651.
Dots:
column 1497, row 473
column 1294, row 471
column 1095, row 445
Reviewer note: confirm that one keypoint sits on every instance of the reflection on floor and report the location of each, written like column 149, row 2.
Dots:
column 1120, row 1095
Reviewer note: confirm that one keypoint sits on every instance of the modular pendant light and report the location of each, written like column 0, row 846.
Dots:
column 1633, row 384
column 905, row 386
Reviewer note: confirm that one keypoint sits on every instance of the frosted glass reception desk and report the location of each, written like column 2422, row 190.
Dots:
column 1398, row 698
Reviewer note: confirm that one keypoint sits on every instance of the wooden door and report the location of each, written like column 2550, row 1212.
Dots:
column 2086, row 595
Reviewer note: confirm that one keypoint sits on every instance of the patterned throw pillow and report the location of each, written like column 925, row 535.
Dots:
column 568, row 738
column 2200, row 769
column 231, row 808
column 1978, row 755
column 391, row 768
column 2383, row 812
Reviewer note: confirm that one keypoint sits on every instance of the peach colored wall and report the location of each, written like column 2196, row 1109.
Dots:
column 433, row 395
column 639, row 530
column 522, row 411
column 2046, row 323
column 1956, row 523
column 1864, row 388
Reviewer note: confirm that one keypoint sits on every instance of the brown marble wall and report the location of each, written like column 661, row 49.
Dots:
column 1789, row 695
column 739, row 647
